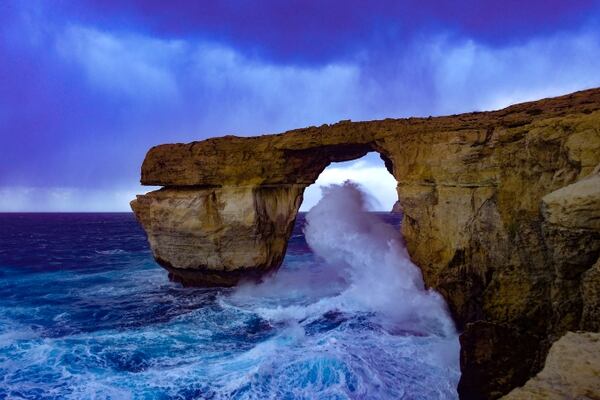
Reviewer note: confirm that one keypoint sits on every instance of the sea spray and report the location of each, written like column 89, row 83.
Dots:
column 381, row 276
column 358, row 313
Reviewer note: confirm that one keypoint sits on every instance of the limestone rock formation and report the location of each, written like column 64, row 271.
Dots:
column 217, row 236
column 500, row 211
column 571, row 230
column 397, row 208
column 590, row 292
column 572, row 371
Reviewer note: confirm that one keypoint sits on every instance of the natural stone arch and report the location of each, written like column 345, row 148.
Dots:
column 208, row 234
column 479, row 219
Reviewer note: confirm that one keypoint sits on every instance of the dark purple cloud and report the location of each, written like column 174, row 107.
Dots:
column 317, row 31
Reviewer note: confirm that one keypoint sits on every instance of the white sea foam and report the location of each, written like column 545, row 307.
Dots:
column 356, row 323
column 111, row 252
column 364, row 268
column 382, row 277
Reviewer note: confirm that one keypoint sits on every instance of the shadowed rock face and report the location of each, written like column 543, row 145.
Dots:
column 572, row 371
column 501, row 212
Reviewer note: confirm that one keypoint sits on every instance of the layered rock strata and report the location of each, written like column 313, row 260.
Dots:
column 216, row 236
column 501, row 212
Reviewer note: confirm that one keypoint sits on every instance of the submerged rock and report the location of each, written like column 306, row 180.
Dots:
column 500, row 212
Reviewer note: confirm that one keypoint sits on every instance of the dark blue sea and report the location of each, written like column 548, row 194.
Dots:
column 86, row 313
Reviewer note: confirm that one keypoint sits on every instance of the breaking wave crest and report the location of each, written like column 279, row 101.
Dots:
column 373, row 258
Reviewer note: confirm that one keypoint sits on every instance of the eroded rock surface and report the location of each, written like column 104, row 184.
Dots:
column 500, row 211
column 217, row 236
column 572, row 371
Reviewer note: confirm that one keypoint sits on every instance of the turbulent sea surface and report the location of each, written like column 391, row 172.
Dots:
column 85, row 313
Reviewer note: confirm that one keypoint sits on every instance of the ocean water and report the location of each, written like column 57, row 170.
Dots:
column 85, row 313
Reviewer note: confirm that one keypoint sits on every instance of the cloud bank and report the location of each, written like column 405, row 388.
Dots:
column 85, row 95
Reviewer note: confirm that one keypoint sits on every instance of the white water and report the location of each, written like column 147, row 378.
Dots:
column 362, row 269
column 349, row 320
column 373, row 258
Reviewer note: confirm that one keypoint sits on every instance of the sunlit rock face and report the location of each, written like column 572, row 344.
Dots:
column 500, row 212
column 217, row 236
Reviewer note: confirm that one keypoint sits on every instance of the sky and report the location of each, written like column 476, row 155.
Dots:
column 87, row 87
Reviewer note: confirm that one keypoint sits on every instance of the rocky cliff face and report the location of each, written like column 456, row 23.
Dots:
column 501, row 212
column 572, row 371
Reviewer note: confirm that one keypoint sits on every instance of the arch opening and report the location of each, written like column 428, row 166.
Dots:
column 371, row 171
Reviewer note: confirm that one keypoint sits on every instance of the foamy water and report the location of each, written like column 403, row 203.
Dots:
column 85, row 313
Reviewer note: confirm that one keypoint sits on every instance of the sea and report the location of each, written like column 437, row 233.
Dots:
column 86, row 313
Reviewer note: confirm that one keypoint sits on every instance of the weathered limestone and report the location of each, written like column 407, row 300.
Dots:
column 572, row 371
column 500, row 211
column 590, row 293
column 576, row 206
column 571, row 230
column 217, row 236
